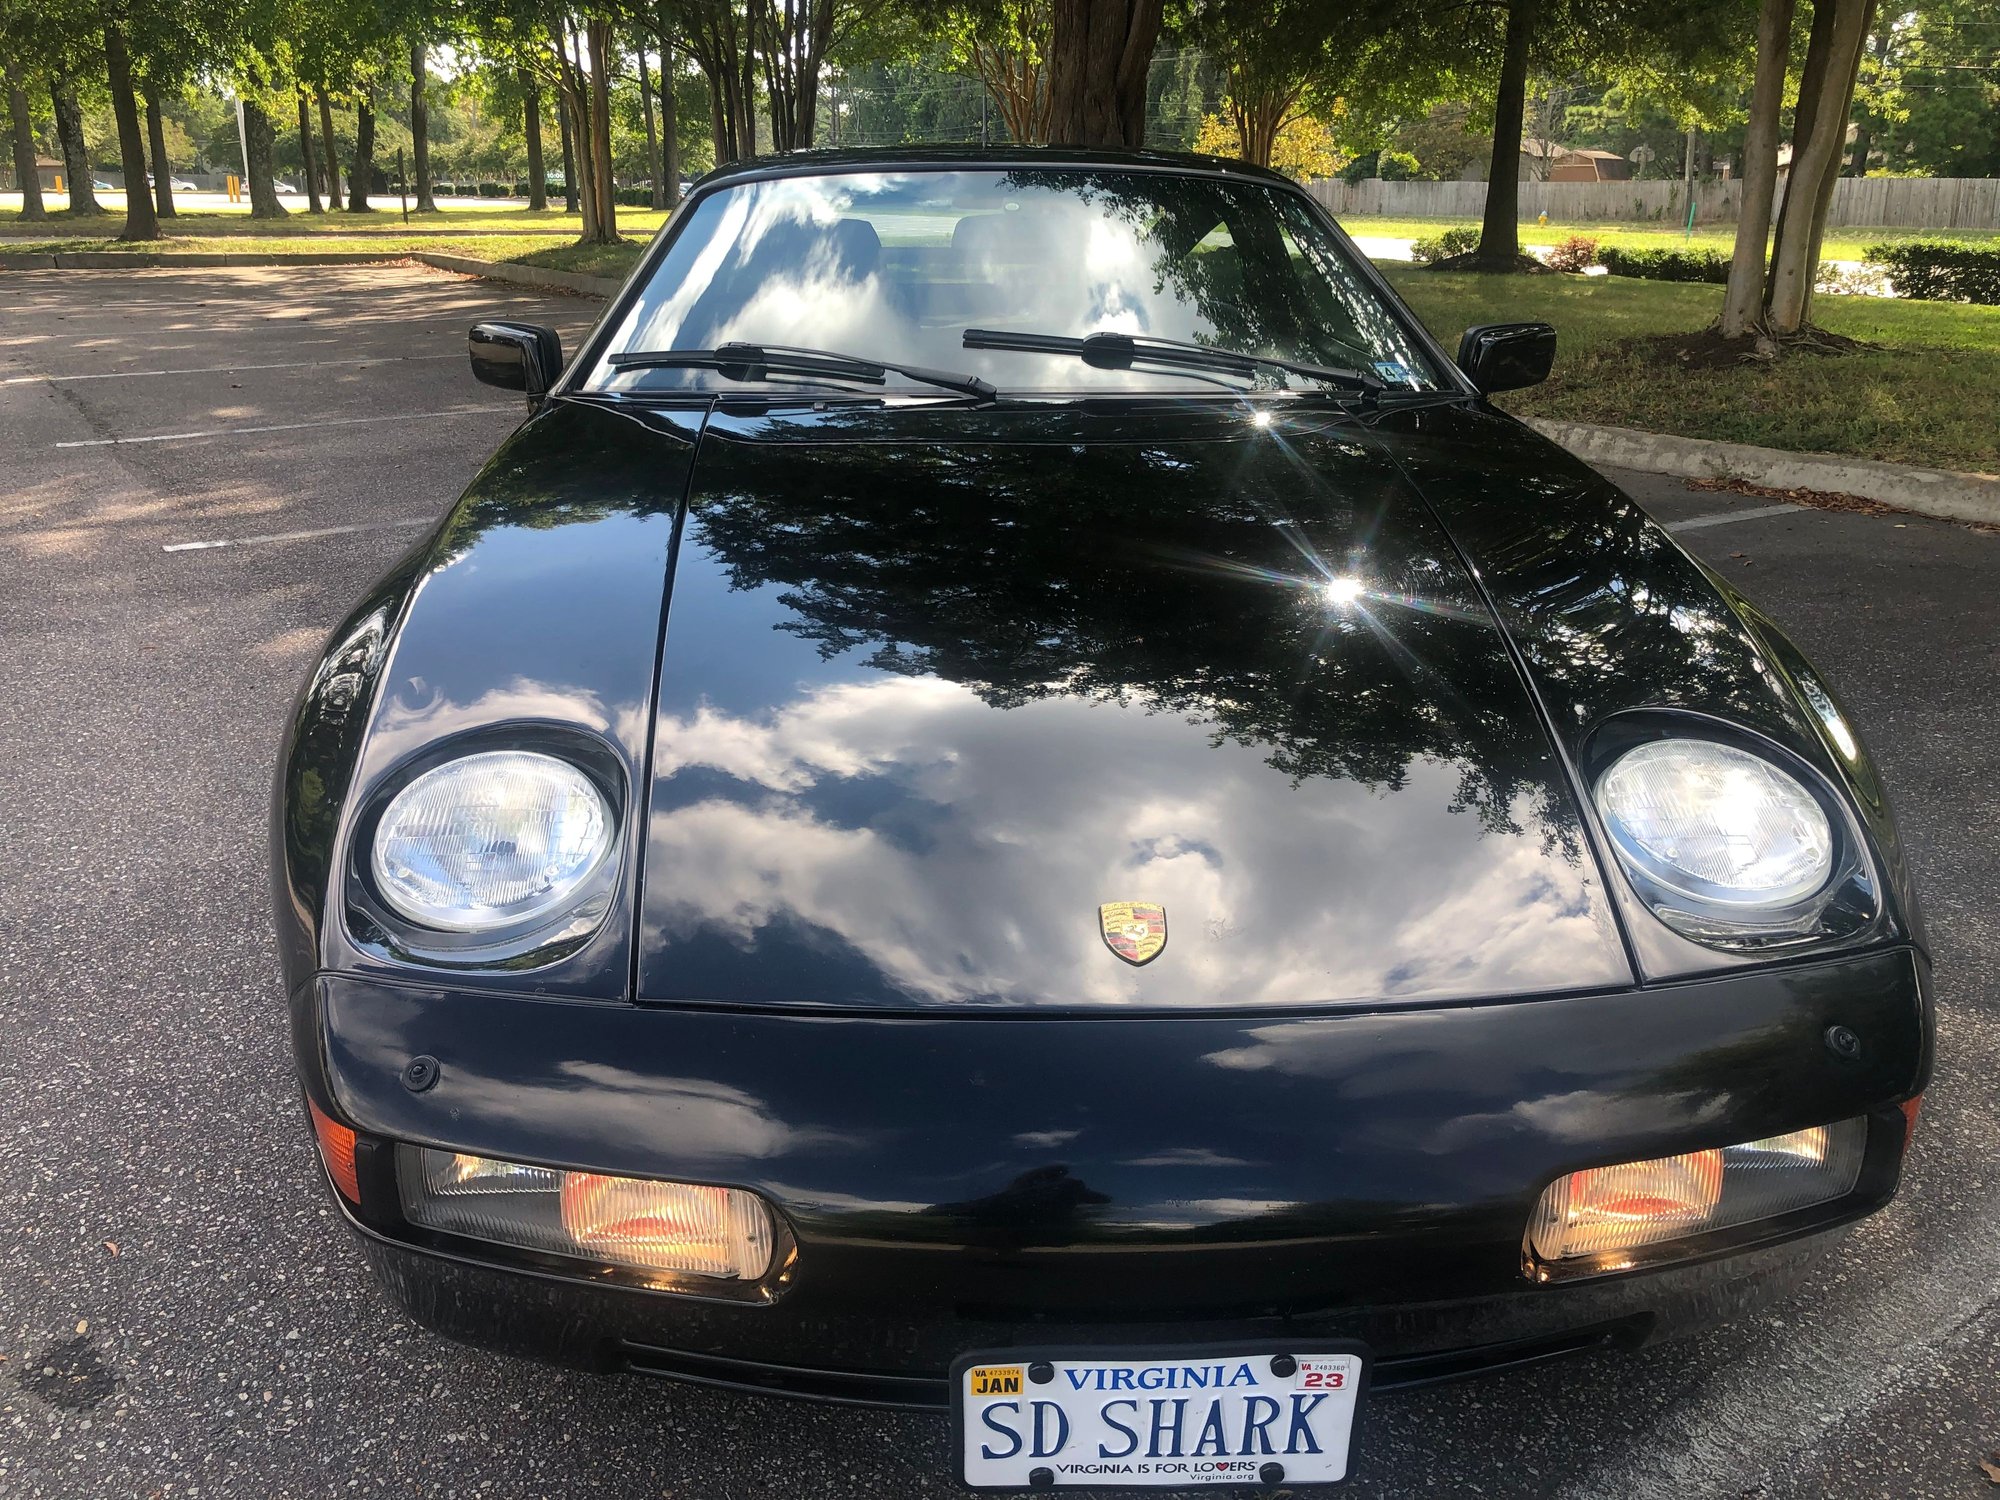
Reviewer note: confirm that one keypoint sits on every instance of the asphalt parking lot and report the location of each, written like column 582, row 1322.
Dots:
column 181, row 1313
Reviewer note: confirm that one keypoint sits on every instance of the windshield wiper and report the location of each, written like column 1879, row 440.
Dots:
column 1119, row 351
column 752, row 361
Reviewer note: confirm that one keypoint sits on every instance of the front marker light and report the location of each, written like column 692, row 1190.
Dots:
column 674, row 1228
column 336, row 1149
column 1591, row 1221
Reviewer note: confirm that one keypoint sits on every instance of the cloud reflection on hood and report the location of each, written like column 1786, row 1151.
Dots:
column 961, row 851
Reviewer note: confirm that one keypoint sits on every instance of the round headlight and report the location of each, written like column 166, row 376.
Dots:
column 1715, row 824
column 490, row 840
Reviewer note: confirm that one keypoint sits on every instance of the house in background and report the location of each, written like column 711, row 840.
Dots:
column 1538, row 158
column 1589, row 166
column 47, row 169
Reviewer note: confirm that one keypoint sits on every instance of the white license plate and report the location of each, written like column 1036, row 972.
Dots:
column 1264, row 1414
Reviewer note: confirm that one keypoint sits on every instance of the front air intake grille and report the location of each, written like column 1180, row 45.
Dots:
column 864, row 1388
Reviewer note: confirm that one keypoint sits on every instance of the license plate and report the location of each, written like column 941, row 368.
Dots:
column 1236, row 1414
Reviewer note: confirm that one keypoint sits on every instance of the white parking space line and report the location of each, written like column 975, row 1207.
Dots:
column 290, row 364
column 294, row 536
column 209, row 432
column 1723, row 518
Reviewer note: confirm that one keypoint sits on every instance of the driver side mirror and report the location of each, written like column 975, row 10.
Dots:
column 1507, row 356
column 516, row 356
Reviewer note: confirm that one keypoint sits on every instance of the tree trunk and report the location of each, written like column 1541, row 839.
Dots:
column 258, row 141
column 1099, row 53
column 653, row 166
column 1017, row 86
column 32, row 208
column 794, row 43
column 1857, row 161
column 306, row 154
column 76, row 156
column 1823, row 201
column 670, row 127
column 602, row 180
column 1885, row 40
column 163, row 171
column 1258, row 118
column 572, row 200
column 140, row 221
column 1814, row 157
column 746, row 105
column 1744, row 299
column 361, row 176
column 1812, row 76
column 329, row 154
column 420, row 132
column 805, row 100
column 531, row 127
column 1500, row 228
column 720, row 122
column 576, row 110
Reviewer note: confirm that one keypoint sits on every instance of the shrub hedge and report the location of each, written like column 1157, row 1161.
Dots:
column 1940, row 270
column 1442, row 247
column 1573, row 253
column 1666, row 265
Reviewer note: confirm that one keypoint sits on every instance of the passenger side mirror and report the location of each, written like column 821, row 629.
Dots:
column 1507, row 356
column 516, row 356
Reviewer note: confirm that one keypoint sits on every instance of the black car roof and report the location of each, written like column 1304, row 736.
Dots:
column 879, row 158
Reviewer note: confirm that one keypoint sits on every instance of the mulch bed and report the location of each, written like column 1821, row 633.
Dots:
column 1707, row 349
column 1470, row 261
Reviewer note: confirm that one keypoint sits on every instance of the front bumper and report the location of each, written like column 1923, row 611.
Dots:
column 985, row 1182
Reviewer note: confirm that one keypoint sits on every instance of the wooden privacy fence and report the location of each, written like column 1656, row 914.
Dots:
column 1895, row 202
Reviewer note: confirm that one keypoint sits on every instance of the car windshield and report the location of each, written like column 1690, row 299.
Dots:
column 897, row 267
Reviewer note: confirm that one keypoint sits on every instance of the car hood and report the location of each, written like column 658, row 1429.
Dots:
column 938, row 685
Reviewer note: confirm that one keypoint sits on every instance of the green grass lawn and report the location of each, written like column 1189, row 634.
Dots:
column 587, row 260
column 1841, row 244
column 1926, row 396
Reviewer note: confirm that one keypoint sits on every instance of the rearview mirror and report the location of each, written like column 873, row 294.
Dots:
column 1507, row 356
column 516, row 356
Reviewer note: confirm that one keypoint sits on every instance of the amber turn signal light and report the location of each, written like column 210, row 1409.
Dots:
column 1599, row 1220
column 336, row 1149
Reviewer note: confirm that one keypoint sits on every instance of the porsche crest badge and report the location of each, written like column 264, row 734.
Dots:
column 1134, row 930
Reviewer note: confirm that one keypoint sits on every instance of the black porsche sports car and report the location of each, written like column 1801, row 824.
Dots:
column 1015, row 796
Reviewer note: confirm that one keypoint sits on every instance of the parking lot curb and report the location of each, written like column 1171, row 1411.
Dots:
column 520, row 275
column 1943, row 493
column 129, row 260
